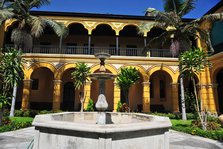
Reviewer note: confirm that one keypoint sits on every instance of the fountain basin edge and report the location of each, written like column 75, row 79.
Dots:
column 123, row 130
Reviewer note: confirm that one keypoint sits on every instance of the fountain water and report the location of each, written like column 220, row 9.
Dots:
column 101, row 130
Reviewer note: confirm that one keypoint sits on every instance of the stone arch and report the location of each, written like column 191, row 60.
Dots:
column 215, row 68
column 62, row 69
column 109, row 67
column 161, row 91
column 76, row 22
column 37, row 65
column 42, row 89
column 167, row 69
column 103, row 23
column 129, row 24
column 9, row 23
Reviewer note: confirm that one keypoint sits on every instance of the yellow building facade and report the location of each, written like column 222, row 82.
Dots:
column 47, row 82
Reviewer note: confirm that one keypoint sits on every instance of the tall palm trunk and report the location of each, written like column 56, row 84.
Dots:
column 82, row 98
column 12, row 110
column 201, row 114
column 183, row 106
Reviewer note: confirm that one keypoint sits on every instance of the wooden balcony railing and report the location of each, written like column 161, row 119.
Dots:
column 84, row 50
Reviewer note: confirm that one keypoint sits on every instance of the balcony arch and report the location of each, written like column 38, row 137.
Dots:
column 103, row 29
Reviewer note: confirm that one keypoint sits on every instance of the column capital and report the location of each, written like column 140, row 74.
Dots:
column 88, row 82
column 174, row 84
column 208, row 85
column 57, row 81
column 27, row 81
column 146, row 83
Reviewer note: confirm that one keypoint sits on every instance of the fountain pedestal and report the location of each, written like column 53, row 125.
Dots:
column 101, row 105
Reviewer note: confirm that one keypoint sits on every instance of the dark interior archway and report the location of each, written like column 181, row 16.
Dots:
column 68, row 97
column 219, row 79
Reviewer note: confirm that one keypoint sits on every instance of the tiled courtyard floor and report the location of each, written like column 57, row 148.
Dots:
column 20, row 139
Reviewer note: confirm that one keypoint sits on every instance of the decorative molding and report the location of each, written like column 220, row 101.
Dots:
column 146, row 67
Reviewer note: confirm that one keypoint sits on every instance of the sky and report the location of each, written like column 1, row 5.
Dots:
column 123, row 7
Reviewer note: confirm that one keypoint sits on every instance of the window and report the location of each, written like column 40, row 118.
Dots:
column 35, row 84
column 131, row 50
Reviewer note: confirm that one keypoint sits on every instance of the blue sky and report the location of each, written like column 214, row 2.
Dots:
column 125, row 7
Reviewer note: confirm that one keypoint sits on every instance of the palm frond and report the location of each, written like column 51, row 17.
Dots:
column 37, row 26
column 5, row 14
column 186, row 7
column 58, row 28
column 210, row 17
column 172, row 5
column 38, row 3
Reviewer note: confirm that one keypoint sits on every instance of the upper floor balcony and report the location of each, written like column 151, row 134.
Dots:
column 85, row 50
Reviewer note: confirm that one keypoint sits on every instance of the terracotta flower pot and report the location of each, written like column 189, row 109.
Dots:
column 221, row 118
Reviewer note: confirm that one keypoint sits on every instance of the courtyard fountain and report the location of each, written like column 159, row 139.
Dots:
column 101, row 130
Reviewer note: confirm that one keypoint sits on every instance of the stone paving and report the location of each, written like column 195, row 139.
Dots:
column 20, row 139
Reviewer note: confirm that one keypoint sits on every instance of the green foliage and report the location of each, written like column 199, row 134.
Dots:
column 28, row 25
column 90, row 106
column 190, row 102
column 80, row 74
column 175, row 116
column 187, row 127
column 10, row 73
column 15, row 123
column 211, row 125
column 193, row 61
column 124, row 108
column 127, row 77
column 119, row 105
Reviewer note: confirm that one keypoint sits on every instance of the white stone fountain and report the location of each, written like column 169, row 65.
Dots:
column 101, row 130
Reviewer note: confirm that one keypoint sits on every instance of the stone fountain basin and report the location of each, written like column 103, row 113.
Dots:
column 122, row 131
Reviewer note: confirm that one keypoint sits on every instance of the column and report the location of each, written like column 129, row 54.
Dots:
column 117, row 43
column 117, row 96
column 26, row 94
column 146, row 96
column 57, row 94
column 206, row 91
column 89, row 44
column 87, row 93
column 175, row 96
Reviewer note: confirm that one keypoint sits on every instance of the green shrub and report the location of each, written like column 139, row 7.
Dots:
column 191, row 116
column 90, row 106
column 18, row 113
column 15, row 123
column 119, row 106
column 6, row 112
column 211, row 125
column 187, row 127
column 124, row 108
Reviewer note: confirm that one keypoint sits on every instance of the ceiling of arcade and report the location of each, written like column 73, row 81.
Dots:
column 91, row 23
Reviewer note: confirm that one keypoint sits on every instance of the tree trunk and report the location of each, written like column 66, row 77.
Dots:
column 201, row 114
column 12, row 110
column 1, row 116
column 82, row 99
column 183, row 106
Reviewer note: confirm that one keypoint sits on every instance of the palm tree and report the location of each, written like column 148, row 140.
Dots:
column 10, row 72
column 80, row 76
column 125, row 79
column 29, row 26
column 193, row 62
column 177, row 32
